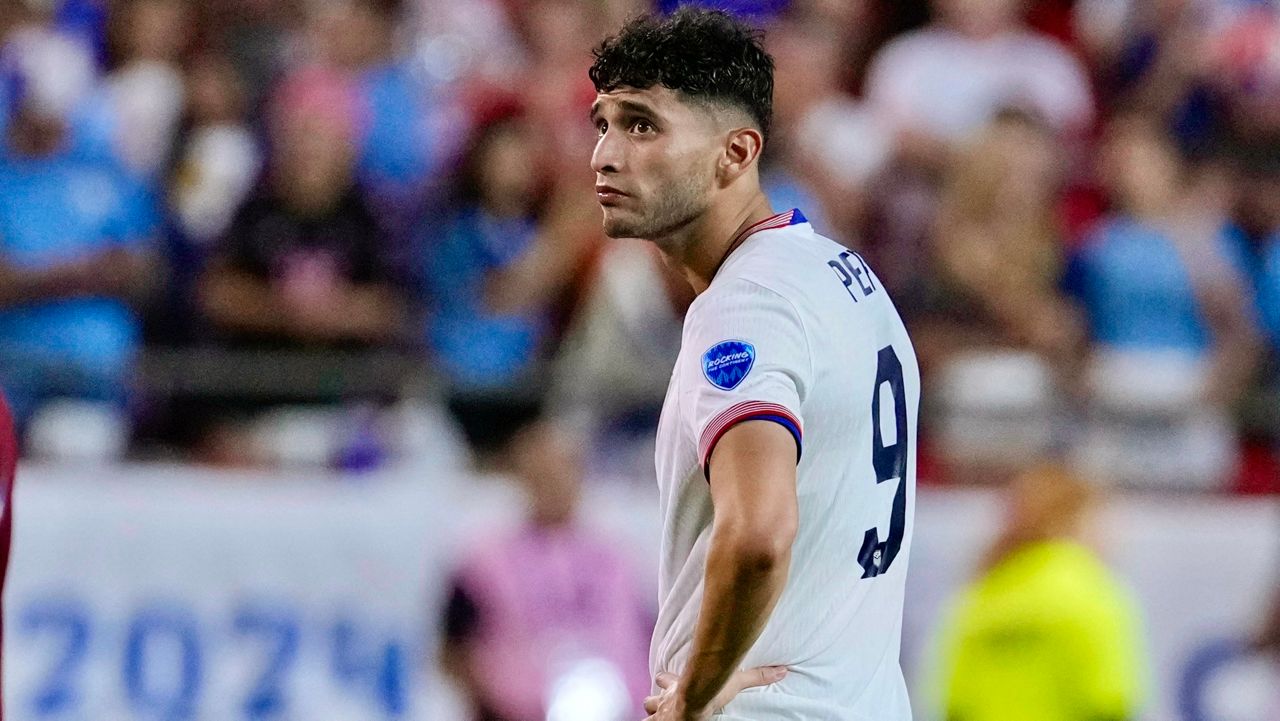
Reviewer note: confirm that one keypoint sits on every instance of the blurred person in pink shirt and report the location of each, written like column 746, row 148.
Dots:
column 545, row 619
column 304, row 263
column 303, row 267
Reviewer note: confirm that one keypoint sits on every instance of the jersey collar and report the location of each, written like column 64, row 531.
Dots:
column 779, row 220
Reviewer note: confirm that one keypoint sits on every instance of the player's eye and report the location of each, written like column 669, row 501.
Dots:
column 642, row 126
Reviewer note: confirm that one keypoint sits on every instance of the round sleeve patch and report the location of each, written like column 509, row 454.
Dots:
column 728, row 362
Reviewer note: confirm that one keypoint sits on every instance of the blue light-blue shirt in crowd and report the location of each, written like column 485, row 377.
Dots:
column 478, row 349
column 58, row 209
column 1268, row 282
column 401, row 144
column 1137, row 290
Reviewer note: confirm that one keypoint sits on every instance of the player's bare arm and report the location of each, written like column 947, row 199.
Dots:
column 753, row 489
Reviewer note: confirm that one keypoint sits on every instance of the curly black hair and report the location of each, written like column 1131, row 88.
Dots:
column 702, row 54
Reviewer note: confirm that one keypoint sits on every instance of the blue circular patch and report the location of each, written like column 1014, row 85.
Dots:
column 726, row 363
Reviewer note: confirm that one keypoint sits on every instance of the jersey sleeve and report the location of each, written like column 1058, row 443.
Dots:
column 751, row 362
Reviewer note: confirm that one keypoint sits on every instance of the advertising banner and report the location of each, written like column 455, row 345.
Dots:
column 166, row 592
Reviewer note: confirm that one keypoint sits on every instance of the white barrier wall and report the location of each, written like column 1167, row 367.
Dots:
column 151, row 592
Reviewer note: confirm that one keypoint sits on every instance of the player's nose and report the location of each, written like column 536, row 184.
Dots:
column 607, row 157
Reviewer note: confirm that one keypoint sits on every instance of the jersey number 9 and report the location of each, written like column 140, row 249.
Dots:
column 890, row 463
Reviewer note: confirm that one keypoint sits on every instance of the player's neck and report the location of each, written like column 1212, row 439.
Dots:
column 713, row 237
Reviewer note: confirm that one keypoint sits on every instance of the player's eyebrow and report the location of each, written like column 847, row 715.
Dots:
column 636, row 108
column 630, row 107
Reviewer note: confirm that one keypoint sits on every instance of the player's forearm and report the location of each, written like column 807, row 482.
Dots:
column 746, row 571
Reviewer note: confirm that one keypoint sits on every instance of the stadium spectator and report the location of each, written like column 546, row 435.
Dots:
column 303, row 263
column 614, row 364
column 944, row 82
column 404, row 135
column 496, row 270
column 825, row 145
column 1245, row 70
column 1257, row 227
column 882, row 173
column 546, row 602
column 999, row 246
column 1155, row 56
column 998, row 333
column 260, row 37
column 75, row 241
column 86, row 20
column 1269, row 289
column 952, row 155
column 1169, row 314
column 937, row 86
column 145, row 93
column 464, row 42
column 552, row 82
column 1045, row 631
column 218, row 159
column 1205, row 66
column 304, row 269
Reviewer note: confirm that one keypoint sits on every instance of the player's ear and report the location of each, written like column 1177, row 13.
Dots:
column 742, row 149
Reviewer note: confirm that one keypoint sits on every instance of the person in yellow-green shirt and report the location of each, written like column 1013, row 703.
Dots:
column 1045, row 632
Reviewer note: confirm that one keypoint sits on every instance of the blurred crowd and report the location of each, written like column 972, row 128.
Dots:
column 227, row 224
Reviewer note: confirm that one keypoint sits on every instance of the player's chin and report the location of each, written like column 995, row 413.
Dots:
column 617, row 225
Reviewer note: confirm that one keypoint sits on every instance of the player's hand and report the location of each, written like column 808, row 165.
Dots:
column 669, row 704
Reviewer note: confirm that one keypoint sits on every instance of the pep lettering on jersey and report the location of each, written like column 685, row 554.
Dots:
column 727, row 363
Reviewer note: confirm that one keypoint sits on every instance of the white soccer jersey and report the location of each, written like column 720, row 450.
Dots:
column 796, row 329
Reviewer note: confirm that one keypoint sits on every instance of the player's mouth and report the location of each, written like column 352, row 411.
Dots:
column 608, row 195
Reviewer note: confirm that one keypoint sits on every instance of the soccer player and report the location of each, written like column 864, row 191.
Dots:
column 782, row 572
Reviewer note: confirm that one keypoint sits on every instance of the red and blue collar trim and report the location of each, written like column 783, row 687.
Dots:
column 773, row 222
column 779, row 220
